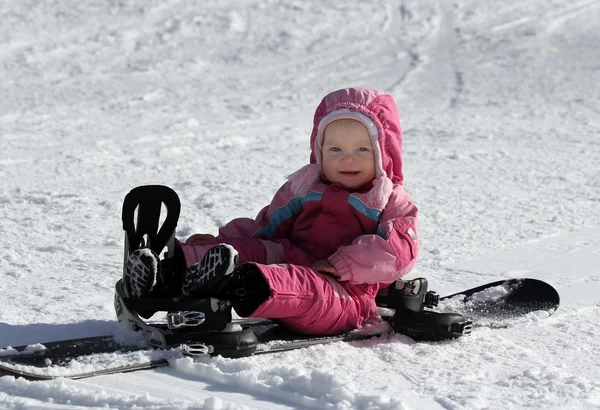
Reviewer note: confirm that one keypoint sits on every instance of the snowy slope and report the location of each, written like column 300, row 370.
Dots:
column 500, row 105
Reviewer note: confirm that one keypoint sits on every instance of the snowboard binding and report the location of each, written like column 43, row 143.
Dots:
column 200, row 326
column 410, row 295
column 409, row 299
column 431, row 326
column 188, row 326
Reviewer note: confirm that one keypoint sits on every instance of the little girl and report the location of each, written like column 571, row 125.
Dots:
column 337, row 231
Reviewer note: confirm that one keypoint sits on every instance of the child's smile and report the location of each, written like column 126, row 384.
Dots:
column 350, row 174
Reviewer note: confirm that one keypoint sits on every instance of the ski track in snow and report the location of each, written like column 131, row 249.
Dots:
column 501, row 117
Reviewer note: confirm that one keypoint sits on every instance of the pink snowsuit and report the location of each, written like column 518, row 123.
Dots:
column 369, row 236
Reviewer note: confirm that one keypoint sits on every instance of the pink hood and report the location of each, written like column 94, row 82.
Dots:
column 378, row 112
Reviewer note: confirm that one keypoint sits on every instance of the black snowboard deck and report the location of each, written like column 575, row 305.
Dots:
column 272, row 338
column 487, row 305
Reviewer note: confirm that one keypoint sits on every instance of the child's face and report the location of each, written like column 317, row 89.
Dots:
column 348, row 156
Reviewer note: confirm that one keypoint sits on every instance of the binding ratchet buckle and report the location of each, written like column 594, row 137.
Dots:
column 197, row 349
column 461, row 328
column 176, row 320
column 431, row 299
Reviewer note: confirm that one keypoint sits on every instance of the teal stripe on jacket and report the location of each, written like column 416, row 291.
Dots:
column 371, row 213
column 296, row 204
column 289, row 210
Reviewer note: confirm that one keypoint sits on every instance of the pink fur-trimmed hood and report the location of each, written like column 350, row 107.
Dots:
column 378, row 112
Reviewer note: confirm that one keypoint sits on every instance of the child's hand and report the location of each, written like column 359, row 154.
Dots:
column 200, row 237
column 324, row 266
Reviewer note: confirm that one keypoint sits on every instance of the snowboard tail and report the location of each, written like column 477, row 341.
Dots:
column 498, row 304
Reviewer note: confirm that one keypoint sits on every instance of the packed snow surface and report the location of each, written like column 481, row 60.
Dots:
column 500, row 106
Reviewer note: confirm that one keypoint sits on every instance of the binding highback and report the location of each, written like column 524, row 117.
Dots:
column 144, row 231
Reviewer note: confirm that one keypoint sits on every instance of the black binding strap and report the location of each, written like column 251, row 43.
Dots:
column 148, row 200
column 160, row 304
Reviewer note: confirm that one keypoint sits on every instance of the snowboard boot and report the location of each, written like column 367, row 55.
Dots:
column 410, row 295
column 143, row 266
column 219, row 275
column 205, row 276
column 246, row 288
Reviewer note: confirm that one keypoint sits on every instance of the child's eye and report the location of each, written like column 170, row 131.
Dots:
column 335, row 149
column 363, row 149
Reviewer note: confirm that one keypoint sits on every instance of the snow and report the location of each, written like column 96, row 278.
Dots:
column 500, row 106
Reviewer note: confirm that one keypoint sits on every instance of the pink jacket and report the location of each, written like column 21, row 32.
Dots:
column 369, row 236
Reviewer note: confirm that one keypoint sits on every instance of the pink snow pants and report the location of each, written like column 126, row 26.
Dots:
column 302, row 299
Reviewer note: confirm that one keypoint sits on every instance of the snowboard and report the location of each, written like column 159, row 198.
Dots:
column 497, row 304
